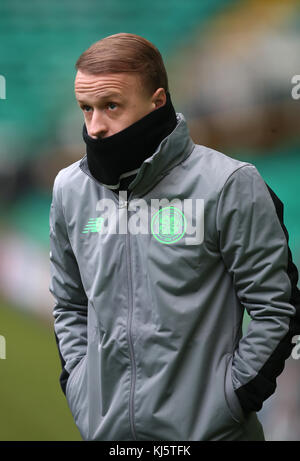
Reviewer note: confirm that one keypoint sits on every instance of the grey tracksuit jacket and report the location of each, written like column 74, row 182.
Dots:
column 148, row 317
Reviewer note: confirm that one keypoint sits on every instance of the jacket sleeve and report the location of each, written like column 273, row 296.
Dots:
column 253, row 242
column 70, row 309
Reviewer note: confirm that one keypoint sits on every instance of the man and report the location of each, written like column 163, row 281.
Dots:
column 157, row 247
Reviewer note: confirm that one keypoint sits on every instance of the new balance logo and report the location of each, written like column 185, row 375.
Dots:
column 93, row 225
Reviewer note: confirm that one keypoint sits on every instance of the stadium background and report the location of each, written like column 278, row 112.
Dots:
column 230, row 65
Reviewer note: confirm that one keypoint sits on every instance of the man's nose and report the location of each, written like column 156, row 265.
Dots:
column 98, row 127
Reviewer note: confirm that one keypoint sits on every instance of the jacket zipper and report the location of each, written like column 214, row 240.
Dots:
column 129, row 326
column 129, row 336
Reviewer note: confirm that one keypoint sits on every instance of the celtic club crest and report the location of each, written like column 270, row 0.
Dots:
column 168, row 225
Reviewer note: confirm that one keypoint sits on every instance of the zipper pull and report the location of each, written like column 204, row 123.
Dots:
column 123, row 203
column 124, row 199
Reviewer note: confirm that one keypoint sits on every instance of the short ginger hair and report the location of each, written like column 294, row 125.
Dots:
column 129, row 53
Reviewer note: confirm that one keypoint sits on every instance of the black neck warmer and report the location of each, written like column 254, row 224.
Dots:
column 109, row 158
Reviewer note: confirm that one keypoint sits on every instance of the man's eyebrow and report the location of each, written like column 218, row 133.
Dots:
column 109, row 94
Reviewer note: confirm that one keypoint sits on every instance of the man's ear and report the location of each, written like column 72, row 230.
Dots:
column 159, row 98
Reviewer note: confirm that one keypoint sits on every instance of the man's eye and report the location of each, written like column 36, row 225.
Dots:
column 112, row 105
column 86, row 108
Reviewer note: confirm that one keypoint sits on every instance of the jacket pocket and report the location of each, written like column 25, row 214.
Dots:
column 231, row 398
column 75, row 389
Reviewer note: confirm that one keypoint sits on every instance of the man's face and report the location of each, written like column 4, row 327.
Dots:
column 112, row 102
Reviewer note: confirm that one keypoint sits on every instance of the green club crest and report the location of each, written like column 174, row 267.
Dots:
column 168, row 225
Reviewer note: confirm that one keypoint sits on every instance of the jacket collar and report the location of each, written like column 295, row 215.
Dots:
column 172, row 150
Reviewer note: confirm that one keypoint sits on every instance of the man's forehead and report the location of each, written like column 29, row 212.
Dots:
column 114, row 84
